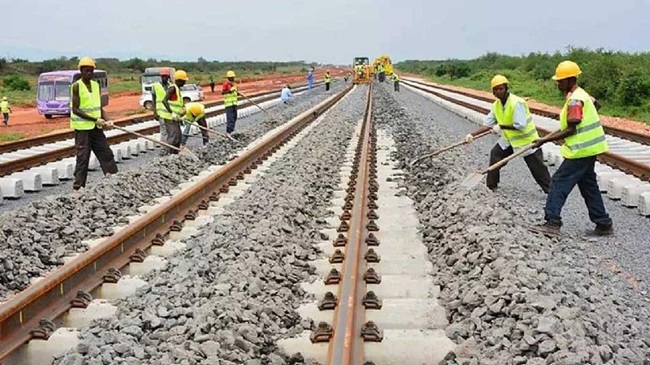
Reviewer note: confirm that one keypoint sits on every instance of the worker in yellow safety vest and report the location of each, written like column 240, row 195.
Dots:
column 230, row 93
column 173, row 109
column 395, row 79
column 510, row 117
column 328, row 80
column 195, row 113
column 158, row 91
column 5, row 109
column 87, row 119
column 584, row 139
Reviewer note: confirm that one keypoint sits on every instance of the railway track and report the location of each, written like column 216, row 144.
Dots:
column 32, row 313
column 623, row 172
column 29, row 170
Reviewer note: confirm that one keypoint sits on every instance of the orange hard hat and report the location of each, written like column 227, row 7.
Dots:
column 165, row 72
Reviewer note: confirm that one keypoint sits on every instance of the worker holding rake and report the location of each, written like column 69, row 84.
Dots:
column 511, row 118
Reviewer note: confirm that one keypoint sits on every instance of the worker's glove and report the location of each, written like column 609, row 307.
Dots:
column 496, row 129
column 108, row 124
column 176, row 117
column 469, row 138
column 100, row 123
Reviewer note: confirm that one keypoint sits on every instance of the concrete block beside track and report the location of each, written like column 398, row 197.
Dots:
column 644, row 204
column 49, row 175
column 31, row 180
column 11, row 187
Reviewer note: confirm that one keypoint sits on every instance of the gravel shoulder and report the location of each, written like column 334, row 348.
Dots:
column 233, row 292
column 35, row 238
column 512, row 297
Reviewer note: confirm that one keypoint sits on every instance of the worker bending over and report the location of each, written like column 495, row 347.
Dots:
column 328, row 80
column 229, row 92
column 173, row 109
column 286, row 94
column 584, row 140
column 395, row 79
column 5, row 109
column 195, row 113
column 158, row 91
column 87, row 118
column 511, row 118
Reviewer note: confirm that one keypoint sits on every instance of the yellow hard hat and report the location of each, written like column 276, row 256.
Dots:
column 566, row 69
column 195, row 108
column 4, row 98
column 86, row 61
column 180, row 75
column 230, row 74
column 498, row 80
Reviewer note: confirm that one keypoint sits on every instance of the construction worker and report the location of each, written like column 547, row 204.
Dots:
column 310, row 78
column 286, row 95
column 381, row 73
column 87, row 118
column 328, row 80
column 173, row 110
column 395, row 79
column 195, row 113
column 229, row 92
column 5, row 109
column 584, row 140
column 511, row 118
column 158, row 91
column 212, row 84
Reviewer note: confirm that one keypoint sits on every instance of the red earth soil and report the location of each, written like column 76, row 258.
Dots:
column 621, row 123
column 27, row 121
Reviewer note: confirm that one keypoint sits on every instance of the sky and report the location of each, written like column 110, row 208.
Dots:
column 327, row 32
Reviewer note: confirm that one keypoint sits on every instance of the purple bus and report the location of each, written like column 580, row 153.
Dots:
column 53, row 91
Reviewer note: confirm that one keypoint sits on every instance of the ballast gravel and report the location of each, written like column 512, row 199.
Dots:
column 512, row 297
column 232, row 293
column 35, row 238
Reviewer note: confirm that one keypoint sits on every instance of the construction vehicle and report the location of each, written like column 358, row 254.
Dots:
column 385, row 61
column 362, row 69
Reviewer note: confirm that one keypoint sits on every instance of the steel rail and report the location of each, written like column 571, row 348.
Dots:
column 30, row 313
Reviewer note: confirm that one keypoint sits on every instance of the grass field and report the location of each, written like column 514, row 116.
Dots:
column 544, row 92
column 118, row 83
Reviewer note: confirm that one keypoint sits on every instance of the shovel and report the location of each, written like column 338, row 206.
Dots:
column 157, row 141
column 437, row 152
column 474, row 178
column 213, row 131
column 271, row 117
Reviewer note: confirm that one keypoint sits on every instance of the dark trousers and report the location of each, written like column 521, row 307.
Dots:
column 91, row 140
column 327, row 86
column 574, row 172
column 534, row 161
column 231, row 118
column 5, row 118
column 174, row 135
column 396, row 85
column 204, row 132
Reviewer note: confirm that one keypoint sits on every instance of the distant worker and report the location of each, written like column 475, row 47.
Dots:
column 229, row 92
column 584, row 140
column 328, row 80
column 173, row 110
column 511, row 118
column 158, row 91
column 395, row 79
column 87, row 118
column 5, row 109
column 310, row 78
column 381, row 73
column 286, row 94
column 212, row 84
column 195, row 113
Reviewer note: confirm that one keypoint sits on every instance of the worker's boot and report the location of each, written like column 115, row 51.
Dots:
column 549, row 229
column 601, row 230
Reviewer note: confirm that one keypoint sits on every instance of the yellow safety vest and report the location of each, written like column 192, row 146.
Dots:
column 395, row 77
column 89, row 103
column 158, row 90
column 191, row 117
column 4, row 106
column 328, row 78
column 505, row 118
column 230, row 98
column 176, row 106
column 589, row 139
